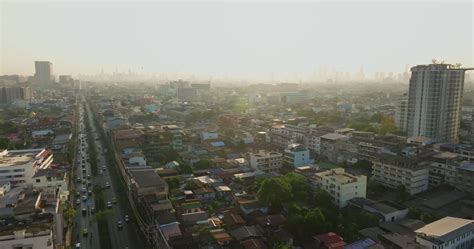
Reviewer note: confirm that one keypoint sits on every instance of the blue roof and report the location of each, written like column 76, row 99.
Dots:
column 217, row 144
column 468, row 166
column 364, row 243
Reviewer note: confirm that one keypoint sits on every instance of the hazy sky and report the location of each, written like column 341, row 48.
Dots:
column 237, row 39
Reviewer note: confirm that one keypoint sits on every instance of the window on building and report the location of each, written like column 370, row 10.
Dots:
column 38, row 180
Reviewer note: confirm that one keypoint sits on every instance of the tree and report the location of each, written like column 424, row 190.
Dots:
column 173, row 182
column 300, row 189
column 323, row 200
column 274, row 191
column 4, row 143
column 69, row 215
column 387, row 126
column 314, row 221
column 184, row 168
column 203, row 164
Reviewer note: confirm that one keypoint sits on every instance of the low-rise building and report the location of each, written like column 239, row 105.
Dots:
column 388, row 210
column 341, row 186
column 296, row 155
column 447, row 233
column 19, row 166
column 443, row 169
column 36, row 233
column 47, row 178
column 266, row 161
column 410, row 171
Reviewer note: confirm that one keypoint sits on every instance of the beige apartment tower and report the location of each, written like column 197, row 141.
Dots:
column 434, row 101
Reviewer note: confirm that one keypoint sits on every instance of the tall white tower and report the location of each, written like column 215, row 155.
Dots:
column 434, row 101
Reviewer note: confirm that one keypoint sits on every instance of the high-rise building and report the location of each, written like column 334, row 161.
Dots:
column 401, row 113
column 44, row 72
column 9, row 94
column 434, row 101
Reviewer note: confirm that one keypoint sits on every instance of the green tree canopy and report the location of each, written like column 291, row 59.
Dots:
column 274, row 191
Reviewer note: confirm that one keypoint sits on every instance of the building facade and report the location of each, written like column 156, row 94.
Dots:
column 19, row 166
column 434, row 101
column 447, row 233
column 341, row 186
column 266, row 161
column 394, row 170
column 296, row 155
column 44, row 72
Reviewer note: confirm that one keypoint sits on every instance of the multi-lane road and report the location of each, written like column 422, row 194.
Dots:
column 85, row 228
column 123, row 232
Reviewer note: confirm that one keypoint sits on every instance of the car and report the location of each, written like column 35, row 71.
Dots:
column 104, row 168
column 78, row 194
column 84, row 198
column 89, row 193
column 84, row 190
column 89, row 177
column 84, row 211
column 78, row 179
column 78, row 246
column 127, row 219
column 92, row 209
column 85, row 232
column 107, row 184
column 119, row 224
column 114, row 200
column 78, row 202
column 109, row 204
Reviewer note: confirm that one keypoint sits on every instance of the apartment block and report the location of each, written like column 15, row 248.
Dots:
column 341, row 185
column 395, row 170
column 443, row 169
column 19, row 166
column 296, row 155
column 266, row 161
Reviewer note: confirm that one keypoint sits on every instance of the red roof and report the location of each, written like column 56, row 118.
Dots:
column 330, row 240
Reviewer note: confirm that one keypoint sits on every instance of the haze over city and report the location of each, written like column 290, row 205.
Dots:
column 263, row 41
column 236, row 125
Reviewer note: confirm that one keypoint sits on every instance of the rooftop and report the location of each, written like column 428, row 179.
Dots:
column 333, row 136
column 441, row 228
column 468, row 167
column 18, row 157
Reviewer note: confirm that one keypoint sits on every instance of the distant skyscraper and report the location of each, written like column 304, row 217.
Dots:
column 402, row 113
column 434, row 101
column 44, row 72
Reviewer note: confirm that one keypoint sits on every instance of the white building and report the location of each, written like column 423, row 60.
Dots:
column 28, row 238
column 341, row 186
column 297, row 155
column 434, row 101
column 266, row 161
column 409, row 171
column 19, row 166
column 51, row 178
column 447, row 233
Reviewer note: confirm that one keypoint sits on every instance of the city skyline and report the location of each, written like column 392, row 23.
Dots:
column 213, row 40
